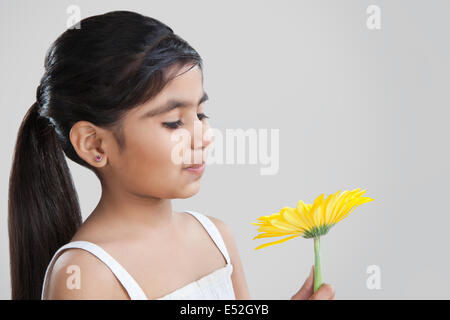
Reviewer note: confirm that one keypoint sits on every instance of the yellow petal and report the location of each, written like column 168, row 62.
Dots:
column 276, row 242
column 323, row 211
column 314, row 212
column 291, row 216
column 330, row 206
column 351, row 206
column 275, row 234
column 272, row 229
column 303, row 210
column 342, row 198
column 278, row 223
column 345, row 209
column 269, row 217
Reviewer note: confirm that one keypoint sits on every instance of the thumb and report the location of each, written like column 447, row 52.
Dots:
column 307, row 289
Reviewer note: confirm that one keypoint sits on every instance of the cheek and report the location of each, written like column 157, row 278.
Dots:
column 148, row 167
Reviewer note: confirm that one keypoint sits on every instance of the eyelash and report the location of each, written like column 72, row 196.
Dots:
column 178, row 123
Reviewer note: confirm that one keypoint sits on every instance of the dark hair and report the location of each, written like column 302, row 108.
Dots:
column 113, row 63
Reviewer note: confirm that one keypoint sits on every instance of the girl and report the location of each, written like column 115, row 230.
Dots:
column 113, row 93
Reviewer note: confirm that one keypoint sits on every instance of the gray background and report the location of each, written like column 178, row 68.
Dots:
column 355, row 108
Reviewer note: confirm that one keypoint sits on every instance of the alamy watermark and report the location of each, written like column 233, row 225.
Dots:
column 373, row 21
column 373, row 282
column 235, row 146
column 74, row 280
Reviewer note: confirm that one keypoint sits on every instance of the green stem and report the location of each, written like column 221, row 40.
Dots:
column 317, row 266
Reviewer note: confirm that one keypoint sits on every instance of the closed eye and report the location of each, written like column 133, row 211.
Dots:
column 179, row 123
column 173, row 125
column 202, row 116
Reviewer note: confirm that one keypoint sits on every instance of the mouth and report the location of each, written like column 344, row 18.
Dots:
column 196, row 168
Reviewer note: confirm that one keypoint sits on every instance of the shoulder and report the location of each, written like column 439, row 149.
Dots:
column 220, row 224
column 227, row 236
column 223, row 228
column 238, row 276
column 78, row 274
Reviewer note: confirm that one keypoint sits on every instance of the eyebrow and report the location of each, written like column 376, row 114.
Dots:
column 170, row 105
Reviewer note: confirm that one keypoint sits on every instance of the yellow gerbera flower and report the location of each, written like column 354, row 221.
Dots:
column 309, row 220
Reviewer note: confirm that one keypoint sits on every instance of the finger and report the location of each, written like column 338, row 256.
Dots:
column 325, row 292
column 307, row 289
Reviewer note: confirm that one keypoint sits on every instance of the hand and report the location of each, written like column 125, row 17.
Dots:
column 306, row 292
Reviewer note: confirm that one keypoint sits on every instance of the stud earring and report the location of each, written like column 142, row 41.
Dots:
column 98, row 158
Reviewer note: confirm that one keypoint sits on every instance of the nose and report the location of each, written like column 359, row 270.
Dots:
column 201, row 135
column 201, row 138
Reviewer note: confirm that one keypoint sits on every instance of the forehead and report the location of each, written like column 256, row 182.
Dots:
column 185, row 84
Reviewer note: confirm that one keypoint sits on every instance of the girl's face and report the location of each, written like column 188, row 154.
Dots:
column 149, row 164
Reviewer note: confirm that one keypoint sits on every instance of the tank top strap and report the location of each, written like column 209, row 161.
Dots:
column 133, row 289
column 212, row 231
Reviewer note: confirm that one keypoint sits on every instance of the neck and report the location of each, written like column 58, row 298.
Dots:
column 133, row 210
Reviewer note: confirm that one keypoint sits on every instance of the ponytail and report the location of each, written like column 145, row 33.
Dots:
column 43, row 208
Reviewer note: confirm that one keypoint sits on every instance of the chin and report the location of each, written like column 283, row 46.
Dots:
column 190, row 190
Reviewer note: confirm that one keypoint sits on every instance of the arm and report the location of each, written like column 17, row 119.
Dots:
column 238, row 278
column 95, row 278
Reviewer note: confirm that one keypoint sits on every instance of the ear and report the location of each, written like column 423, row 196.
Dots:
column 89, row 141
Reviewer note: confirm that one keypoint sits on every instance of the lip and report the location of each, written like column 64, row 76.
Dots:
column 197, row 168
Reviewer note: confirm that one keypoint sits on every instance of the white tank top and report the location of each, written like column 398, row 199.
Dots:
column 216, row 285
